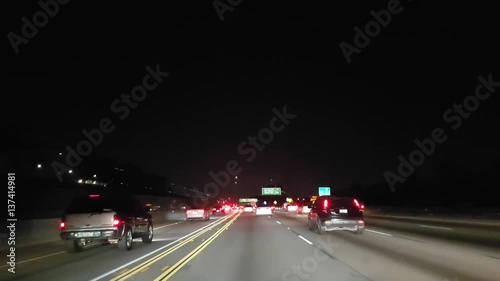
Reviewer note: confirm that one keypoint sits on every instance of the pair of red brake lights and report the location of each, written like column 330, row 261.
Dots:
column 326, row 205
column 116, row 222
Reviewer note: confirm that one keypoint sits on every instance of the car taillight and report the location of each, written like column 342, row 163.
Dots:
column 117, row 221
column 325, row 204
column 62, row 225
column 356, row 203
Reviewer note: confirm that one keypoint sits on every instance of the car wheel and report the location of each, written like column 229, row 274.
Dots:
column 309, row 225
column 148, row 238
column 359, row 231
column 319, row 228
column 74, row 246
column 125, row 243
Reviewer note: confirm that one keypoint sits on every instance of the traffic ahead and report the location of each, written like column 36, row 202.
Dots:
column 243, row 246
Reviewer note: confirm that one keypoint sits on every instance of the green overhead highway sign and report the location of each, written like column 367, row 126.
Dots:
column 271, row 191
column 324, row 191
column 248, row 200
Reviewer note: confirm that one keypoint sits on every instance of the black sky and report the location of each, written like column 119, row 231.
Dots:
column 353, row 120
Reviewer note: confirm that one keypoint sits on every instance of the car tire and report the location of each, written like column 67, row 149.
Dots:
column 309, row 225
column 148, row 238
column 319, row 228
column 73, row 246
column 125, row 243
column 359, row 231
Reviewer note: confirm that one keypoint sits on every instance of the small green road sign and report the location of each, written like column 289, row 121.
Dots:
column 324, row 191
column 271, row 191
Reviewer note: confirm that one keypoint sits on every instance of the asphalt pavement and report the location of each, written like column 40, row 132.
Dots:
column 241, row 247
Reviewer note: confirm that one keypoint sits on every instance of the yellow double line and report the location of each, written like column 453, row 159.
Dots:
column 176, row 267
column 127, row 274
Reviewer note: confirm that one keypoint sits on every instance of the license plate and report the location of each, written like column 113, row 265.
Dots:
column 88, row 234
column 343, row 211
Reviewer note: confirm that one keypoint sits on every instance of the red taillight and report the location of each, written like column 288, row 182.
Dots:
column 62, row 225
column 117, row 221
column 356, row 203
column 362, row 206
column 94, row 195
column 325, row 204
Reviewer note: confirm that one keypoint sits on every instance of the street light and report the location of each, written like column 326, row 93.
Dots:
column 236, row 177
column 95, row 175
column 39, row 166
column 70, row 171
column 235, row 182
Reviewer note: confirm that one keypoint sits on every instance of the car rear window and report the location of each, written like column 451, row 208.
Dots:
column 82, row 205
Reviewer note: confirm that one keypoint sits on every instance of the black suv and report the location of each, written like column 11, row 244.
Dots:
column 336, row 213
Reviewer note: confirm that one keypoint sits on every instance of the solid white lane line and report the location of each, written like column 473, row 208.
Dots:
column 436, row 227
column 278, row 222
column 157, row 250
column 307, row 241
column 159, row 227
column 37, row 258
column 378, row 232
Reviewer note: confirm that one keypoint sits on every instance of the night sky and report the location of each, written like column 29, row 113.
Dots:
column 353, row 120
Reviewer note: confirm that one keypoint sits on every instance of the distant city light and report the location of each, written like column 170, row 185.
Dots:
column 95, row 175
column 94, row 182
column 60, row 153
column 236, row 177
column 80, row 181
column 39, row 166
column 235, row 182
column 70, row 171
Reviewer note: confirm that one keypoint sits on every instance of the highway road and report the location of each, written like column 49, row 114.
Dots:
column 241, row 247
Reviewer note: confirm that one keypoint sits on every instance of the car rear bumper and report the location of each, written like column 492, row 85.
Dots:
column 263, row 213
column 197, row 216
column 94, row 234
column 342, row 224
